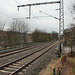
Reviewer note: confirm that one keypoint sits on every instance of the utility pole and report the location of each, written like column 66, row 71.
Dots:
column 61, row 18
column 34, row 4
column 29, row 11
column 61, row 26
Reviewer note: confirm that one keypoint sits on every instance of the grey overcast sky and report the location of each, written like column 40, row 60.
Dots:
column 8, row 11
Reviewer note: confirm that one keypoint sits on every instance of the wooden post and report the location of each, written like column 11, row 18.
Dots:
column 53, row 71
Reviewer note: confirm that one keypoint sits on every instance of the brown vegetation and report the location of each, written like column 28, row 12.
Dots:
column 69, row 35
column 41, row 36
column 16, row 35
column 64, row 65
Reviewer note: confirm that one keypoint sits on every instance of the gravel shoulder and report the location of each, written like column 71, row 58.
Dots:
column 41, row 63
column 12, row 57
column 65, row 65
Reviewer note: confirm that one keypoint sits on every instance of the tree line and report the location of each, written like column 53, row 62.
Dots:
column 69, row 35
column 41, row 36
column 15, row 35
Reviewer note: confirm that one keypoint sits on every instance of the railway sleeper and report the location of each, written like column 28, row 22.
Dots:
column 24, row 70
column 11, row 66
column 15, row 64
column 20, row 73
column 7, row 68
column 3, row 71
column 18, row 65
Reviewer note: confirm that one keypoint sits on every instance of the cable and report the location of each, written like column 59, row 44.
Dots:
column 49, row 15
column 16, row 1
column 29, row 1
column 7, row 6
column 24, row 8
column 19, row 3
column 34, row 8
column 6, row 15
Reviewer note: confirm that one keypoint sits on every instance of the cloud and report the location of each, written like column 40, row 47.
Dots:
column 9, row 7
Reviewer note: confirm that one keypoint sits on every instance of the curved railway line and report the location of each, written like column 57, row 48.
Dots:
column 16, row 66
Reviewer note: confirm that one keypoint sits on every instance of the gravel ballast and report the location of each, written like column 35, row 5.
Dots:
column 41, row 63
column 10, row 58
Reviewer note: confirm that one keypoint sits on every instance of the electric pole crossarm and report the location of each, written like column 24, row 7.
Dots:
column 39, row 4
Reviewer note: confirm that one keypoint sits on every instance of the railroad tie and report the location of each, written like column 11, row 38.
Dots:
column 18, row 62
column 30, row 65
column 27, row 67
column 5, row 71
column 20, row 73
column 10, row 68
column 24, row 70
column 14, row 66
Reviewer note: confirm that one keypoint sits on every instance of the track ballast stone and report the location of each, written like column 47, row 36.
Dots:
column 41, row 63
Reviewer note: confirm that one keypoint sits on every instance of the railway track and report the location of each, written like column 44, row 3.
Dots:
column 11, row 57
column 21, row 50
column 14, row 67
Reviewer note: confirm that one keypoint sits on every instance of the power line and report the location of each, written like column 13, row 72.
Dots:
column 12, row 17
column 35, row 4
column 34, row 10
column 16, row 1
column 49, row 15
column 29, row 1
column 6, row 15
column 19, row 3
column 4, row 4
column 24, row 8
column 9, row 7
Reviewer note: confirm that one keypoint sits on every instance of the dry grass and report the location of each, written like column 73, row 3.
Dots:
column 71, row 61
column 49, row 70
column 66, row 63
column 63, row 58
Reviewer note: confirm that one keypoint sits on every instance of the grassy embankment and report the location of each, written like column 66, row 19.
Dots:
column 65, row 64
column 71, row 61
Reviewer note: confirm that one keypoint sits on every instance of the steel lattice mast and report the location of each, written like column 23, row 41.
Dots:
column 61, row 18
column 61, row 24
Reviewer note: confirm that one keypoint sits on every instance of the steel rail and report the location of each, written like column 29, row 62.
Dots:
column 14, row 49
column 22, row 57
column 18, row 70
column 1, row 67
column 20, row 50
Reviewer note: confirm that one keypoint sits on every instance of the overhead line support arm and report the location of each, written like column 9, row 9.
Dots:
column 61, row 17
column 33, row 4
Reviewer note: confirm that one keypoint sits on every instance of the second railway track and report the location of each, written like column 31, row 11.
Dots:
column 21, row 50
column 14, row 67
column 10, row 57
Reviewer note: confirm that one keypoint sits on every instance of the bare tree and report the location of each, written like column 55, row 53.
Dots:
column 42, row 36
column 54, row 35
column 19, row 29
column 2, row 25
column 2, row 34
column 36, row 35
column 69, row 35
